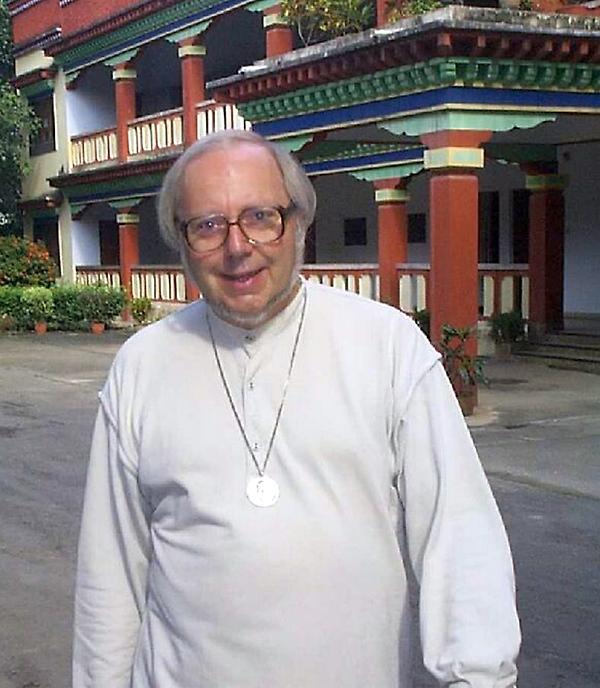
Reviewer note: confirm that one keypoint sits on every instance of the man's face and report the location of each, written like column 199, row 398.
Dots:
column 245, row 284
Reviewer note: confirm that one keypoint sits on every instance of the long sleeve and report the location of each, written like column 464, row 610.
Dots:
column 457, row 545
column 112, row 563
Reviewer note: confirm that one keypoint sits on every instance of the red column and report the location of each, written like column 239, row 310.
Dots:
column 454, row 226
column 129, row 253
column 191, row 55
column 453, row 280
column 278, row 35
column 391, row 198
column 546, row 253
column 124, row 77
column 381, row 12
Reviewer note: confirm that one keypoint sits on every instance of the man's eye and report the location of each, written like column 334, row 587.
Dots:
column 208, row 225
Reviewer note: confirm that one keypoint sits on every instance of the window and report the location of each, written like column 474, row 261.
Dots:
column 489, row 227
column 46, row 231
column 43, row 140
column 355, row 231
column 417, row 228
column 520, row 225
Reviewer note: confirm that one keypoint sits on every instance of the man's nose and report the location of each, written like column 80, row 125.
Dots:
column 236, row 242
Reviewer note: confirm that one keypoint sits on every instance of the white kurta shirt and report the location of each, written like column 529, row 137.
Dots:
column 183, row 583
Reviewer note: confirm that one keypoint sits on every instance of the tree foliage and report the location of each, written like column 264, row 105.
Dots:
column 16, row 122
column 318, row 20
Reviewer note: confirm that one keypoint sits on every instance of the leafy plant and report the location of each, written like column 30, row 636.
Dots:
column 318, row 20
column 399, row 9
column 37, row 304
column 507, row 327
column 68, row 308
column 423, row 319
column 140, row 310
column 100, row 303
column 463, row 369
column 12, row 315
column 24, row 263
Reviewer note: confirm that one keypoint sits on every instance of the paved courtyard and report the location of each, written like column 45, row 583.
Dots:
column 537, row 429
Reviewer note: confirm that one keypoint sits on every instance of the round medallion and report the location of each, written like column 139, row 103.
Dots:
column 262, row 491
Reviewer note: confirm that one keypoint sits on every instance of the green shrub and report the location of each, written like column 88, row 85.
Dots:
column 102, row 304
column 24, row 263
column 507, row 327
column 423, row 320
column 68, row 309
column 37, row 304
column 12, row 313
column 140, row 310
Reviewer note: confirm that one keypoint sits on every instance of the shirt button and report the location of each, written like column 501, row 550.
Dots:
column 255, row 446
column 251, row 385
column 249, row 337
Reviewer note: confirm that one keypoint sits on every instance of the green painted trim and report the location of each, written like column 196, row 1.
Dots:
column 260, row 5
column 45, row 214
column 391, row 196
column 339, row 150
column 543, row 182
column 77, row 208
column 453, row 118
column 134, row 34
column 390, row 171
column 127, row 218
column 189, row 32
column 453, row 156
column 40, row 88
column 121, row 58
column 294, row 143
column 113, row 190
column 270, row 20
column 436, row 73
column 125, row 203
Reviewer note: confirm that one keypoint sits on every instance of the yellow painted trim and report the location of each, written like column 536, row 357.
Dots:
column 391, row 196
column 542, row 182
column 128, row 219
column 452, row 156
column 271, row 20
column 191, row 51
column 124, row 74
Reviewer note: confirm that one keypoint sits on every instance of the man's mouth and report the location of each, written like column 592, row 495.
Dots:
column 243, row 277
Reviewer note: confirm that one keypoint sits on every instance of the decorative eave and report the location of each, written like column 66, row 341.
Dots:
column 126, row 180
column 50, row 201
column 43, row 41
column 453, row 31
column 29, row 79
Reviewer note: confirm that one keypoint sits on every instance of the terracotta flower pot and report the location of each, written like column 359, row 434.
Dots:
column 97, row 327
column 40, row 327
column 467, row 398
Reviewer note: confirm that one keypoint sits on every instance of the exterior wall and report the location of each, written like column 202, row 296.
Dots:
column 86, row 248
column 90, row 105
column 341, row 196
column 37, row 19
column 582, row 228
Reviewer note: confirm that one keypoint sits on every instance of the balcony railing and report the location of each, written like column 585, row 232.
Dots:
column 212, row 117
column 93, row 149
column 502, row 288
column 159, row 133
column 93, row 274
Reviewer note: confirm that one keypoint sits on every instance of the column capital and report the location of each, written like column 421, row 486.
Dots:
column 128, row 219
column 391, row 196
column 274, row 20
column 191, row 51
column 453, row 157
column 456, row 138
column 121, row 73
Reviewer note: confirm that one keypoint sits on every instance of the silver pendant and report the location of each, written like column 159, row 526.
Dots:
column 262, row 491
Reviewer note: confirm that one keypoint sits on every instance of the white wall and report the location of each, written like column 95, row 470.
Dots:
column 85, row 236
column 90, row 104
column 582, row 227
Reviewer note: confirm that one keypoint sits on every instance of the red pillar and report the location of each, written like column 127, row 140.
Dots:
column 191, row 55
column 391, row 198
column 124, row 77
column 278, row 35
column 129, row 253
column 381, row 12
column 546, row 253
column 454, row 225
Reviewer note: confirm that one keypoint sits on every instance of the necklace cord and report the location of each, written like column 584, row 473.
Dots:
column 259, row 469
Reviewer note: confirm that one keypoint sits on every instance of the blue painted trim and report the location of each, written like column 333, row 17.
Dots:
column 426, row 100
column 112, row 195
column 362, row 161
column 165, row 29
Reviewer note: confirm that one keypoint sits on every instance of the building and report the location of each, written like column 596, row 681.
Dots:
column 456, row 155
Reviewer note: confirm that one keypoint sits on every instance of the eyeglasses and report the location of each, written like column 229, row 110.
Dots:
column 258, row 225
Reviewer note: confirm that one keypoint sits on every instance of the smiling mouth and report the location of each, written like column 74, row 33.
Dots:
column 243, row 277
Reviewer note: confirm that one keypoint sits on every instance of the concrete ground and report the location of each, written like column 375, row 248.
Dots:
column 537, row 430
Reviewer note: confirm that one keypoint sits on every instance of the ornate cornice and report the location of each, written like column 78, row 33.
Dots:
column 451, row 32
column 420, row 77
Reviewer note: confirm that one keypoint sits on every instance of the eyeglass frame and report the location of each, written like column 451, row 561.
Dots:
column 284, row 213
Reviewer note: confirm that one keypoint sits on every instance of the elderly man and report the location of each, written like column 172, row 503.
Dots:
column 267, row 461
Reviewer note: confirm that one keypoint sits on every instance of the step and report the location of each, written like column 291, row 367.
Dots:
column 584, row 363
column 586, row 341
column 560, row 351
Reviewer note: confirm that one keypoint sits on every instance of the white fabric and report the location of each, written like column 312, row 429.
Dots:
column 183, row 583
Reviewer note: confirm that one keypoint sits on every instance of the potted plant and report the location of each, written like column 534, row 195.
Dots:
column 38, row 306
column 505, row 330
column 100, row 305
column 464, row 370
column 141, row 309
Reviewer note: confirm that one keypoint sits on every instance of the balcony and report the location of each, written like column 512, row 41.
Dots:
column 502, row 288
column 152, row 135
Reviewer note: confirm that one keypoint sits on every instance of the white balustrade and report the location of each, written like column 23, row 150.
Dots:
column 212, row 117
column 153, row 133
column 358, row 279
column 159, row 284
column 93, row 149
column 89, row 275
